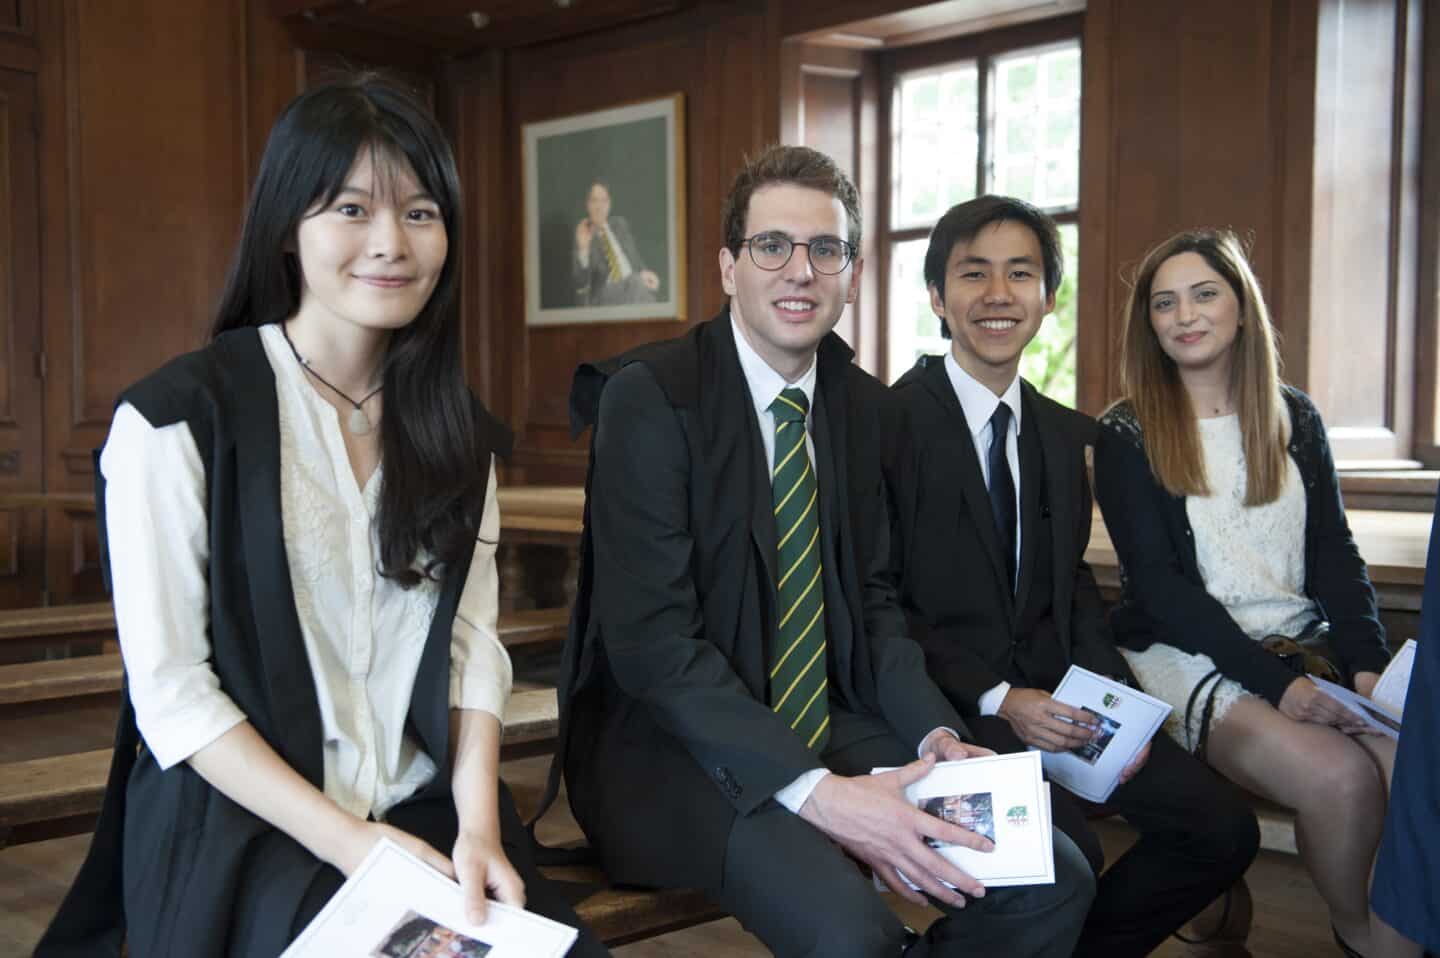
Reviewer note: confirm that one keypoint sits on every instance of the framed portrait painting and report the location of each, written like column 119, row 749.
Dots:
column 605, row 215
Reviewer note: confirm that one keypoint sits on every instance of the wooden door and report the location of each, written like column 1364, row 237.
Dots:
column 22, row 564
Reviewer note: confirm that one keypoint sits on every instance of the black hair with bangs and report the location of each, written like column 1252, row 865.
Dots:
column 433, row 484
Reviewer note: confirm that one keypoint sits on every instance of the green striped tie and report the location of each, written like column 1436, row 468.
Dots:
column 797, row 675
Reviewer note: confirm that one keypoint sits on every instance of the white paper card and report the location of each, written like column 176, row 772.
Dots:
column 396, row 906
column 1006, row 799
column 1128, row 718
column 1394, row 682
column 1377, row 716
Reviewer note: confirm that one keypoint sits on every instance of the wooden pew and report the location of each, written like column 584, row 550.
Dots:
column 60, row 795
column 50, row 797
column 1392, row 543
column 619, row 916
column 60, row 678
column 80, row 621
column 92, row 620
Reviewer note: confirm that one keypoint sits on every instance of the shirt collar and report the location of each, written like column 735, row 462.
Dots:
column 764, row 382
column 976, row 399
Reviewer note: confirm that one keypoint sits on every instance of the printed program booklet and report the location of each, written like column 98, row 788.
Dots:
column 1006, row 799
column 1379, row 716
column 1394, row 682
column 396, row 906
column 1128, row 719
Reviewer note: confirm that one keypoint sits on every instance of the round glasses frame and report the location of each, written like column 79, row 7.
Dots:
column 845, row 247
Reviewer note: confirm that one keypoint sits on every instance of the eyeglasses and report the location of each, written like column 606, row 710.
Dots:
column 828, row 254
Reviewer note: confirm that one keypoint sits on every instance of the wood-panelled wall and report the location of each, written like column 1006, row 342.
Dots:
column 722, row 58
column 129, row 135
column 129, row 132
column 1294, row 123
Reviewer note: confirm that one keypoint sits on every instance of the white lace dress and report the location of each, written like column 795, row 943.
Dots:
column 1252, row 559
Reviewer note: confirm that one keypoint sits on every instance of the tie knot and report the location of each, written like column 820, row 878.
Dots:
column 1000, row 421
column 790, row 406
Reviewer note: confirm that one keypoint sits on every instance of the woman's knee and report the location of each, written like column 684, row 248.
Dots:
column 1346, row 781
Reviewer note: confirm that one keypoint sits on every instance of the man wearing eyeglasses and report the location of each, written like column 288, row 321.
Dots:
column 738, row 663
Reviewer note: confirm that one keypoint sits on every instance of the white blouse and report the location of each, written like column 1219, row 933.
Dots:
column 1252, row 558
column 363, row 634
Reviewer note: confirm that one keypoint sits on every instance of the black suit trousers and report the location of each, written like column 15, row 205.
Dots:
column 1198, row 835
column 798, row 892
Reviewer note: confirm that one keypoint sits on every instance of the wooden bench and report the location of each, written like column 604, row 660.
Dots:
column 619, row 915
column 56, row 624
column 60, row 678
column 51, row 797
column 92, row 620
column 61, row 795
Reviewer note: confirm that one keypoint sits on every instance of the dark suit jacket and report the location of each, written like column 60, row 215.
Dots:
column 666, row 731
column 591, row 277
column 974, row 630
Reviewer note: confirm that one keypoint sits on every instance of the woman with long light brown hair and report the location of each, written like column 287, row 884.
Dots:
column 1220, row 494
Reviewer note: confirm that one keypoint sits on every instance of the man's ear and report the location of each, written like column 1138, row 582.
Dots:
column 937, row 301
column 727, row 271
column 856, row 269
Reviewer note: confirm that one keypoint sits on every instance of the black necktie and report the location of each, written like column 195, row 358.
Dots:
column 1002, row 487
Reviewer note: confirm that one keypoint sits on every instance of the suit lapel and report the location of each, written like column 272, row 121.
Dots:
column 972, row 479
column 1032, row 495
column 833, row 469
column 1059, row 478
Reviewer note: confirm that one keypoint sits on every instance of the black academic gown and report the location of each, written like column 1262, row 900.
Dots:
column 175, row 867
column 666, row 731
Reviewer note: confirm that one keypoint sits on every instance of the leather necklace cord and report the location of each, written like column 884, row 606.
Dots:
column 355, row 425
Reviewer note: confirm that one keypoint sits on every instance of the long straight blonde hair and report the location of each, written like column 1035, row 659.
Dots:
column 1150, row 380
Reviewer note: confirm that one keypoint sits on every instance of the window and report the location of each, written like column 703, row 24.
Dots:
column 1004, row 122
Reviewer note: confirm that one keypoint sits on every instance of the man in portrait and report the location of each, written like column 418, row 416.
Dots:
column 607, row 266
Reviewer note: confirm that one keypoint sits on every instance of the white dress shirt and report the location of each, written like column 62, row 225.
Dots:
column 765, row 385
column 363, row 634
column 979, row 404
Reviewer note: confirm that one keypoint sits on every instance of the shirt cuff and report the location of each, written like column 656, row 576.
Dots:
column 480, row 689
column 181, row 732
column 991, row 701
column 794, row 795
column 920, row 749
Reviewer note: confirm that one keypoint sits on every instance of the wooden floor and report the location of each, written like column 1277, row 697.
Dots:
column 1288, row 922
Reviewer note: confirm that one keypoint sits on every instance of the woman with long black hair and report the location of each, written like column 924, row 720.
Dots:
column 301, row 522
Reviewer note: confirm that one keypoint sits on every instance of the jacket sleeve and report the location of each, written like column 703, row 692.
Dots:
column 1187, row 616
column 650, row 620
column 1338, row 578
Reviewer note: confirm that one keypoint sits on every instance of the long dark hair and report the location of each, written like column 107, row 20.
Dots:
column 433, row 483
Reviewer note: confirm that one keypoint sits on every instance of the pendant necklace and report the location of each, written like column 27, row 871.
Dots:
column 357, row 422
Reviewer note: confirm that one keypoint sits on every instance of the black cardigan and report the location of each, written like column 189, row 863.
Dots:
column 1163, row 595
